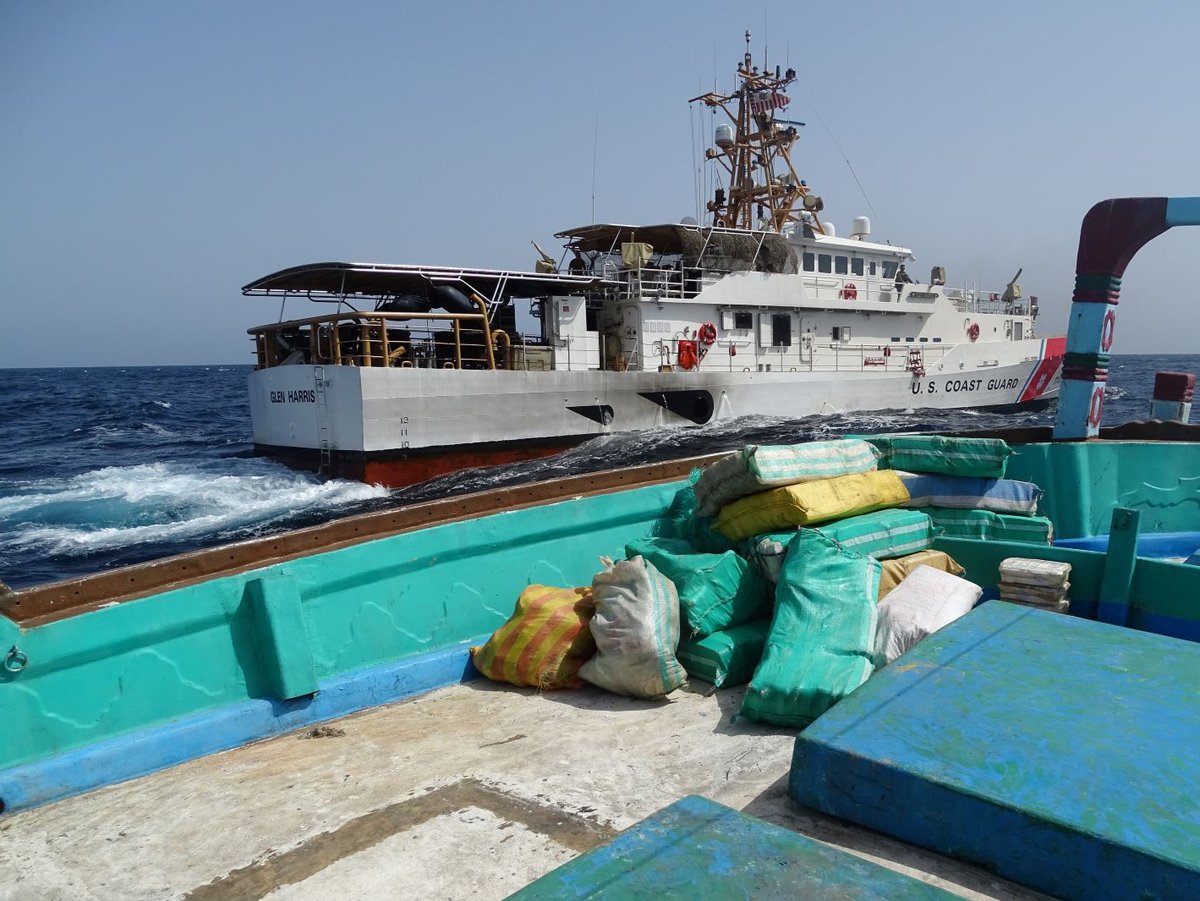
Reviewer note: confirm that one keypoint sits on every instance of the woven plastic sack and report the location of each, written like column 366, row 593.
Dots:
column 989, row 526
column 887, row 533
column 896, row 571
column 822, row 637
column 971, row 493
column 544, row 642
column 926, row 601
column 756, row 468
column 728, row 657
column 716, row 591
column 811, row 502
column 636, row 628
column 950, row 456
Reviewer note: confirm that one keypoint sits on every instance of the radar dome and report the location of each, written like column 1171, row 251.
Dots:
column 860, row 228
column 723, row 136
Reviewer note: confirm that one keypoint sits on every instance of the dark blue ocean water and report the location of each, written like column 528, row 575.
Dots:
column 106, row 467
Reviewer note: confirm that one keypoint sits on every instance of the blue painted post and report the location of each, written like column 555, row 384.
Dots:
column 1119, row 564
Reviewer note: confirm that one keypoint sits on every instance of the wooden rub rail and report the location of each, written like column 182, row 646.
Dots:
column 59, row 600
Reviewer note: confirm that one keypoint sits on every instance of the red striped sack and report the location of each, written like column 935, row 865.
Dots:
column 544, row 642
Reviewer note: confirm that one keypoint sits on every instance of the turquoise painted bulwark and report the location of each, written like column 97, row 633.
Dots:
column 286, row 631
column 1084, row 481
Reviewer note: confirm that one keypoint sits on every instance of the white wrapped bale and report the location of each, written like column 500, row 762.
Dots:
column 927, row 600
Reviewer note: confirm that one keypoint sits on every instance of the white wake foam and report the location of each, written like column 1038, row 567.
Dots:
column 121, row 506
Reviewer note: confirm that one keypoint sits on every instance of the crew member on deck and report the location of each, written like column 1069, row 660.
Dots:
column 902, row 279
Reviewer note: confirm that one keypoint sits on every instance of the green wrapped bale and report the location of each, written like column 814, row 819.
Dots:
column 716, row 591
column 950, row 456
column 725, row 658
column 887, row 533
column 821, row 643
column 989, row 526
column 683, row 520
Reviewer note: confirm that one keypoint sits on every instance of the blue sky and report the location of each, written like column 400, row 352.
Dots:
column 158, row 156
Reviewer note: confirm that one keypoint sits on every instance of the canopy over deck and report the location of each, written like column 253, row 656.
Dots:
column 335, row 281
column 731, row 249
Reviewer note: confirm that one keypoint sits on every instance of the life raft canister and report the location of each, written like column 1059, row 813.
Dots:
column 973, row 331
column 850, row 291
column 707, row 333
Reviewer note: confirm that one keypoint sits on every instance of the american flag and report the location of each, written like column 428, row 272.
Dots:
column 765, row 102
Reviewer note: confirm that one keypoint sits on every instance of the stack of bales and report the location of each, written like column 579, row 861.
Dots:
column 1035, row 583
column 833, row 525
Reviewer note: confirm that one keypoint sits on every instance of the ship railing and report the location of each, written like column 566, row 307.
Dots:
column 384, row 339
column 966, row 300
column 668, row 283
column 836, row 356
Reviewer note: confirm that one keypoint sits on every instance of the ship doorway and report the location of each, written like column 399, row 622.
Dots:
column 806, row 340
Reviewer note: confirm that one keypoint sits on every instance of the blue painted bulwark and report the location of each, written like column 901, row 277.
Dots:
column 698, row 849
column 1056, row 752
column 138, row 753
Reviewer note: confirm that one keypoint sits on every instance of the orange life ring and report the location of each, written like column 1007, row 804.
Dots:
column 707, row 333
column 973, row 331
column 1096, row 408
column 1106, row 330
column 850, row 291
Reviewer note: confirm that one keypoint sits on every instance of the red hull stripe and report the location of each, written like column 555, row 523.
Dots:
column 1052, row 354
column 402, row 472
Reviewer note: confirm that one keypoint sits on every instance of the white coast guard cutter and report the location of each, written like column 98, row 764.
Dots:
column 421, row 370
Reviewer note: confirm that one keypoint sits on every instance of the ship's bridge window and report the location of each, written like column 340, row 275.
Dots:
column 889, row 268
column 810, row 262
column 841, row 265
column 743, row 320
column 781, row 330
column 824, row 262
column 856, row 265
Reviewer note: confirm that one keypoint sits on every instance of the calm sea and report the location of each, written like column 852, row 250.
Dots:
column 106, row 467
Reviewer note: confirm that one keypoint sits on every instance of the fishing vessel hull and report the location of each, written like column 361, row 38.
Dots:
column 401, row 426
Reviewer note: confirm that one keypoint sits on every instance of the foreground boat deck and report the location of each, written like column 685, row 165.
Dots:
column 471, row 791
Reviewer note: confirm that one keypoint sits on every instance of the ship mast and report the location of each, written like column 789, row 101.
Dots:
column 756, row 154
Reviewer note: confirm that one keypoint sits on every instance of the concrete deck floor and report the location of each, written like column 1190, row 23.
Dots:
column 471, row 791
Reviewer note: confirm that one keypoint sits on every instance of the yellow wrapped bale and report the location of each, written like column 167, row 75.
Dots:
column 544, row 642
column 897, row 570
column 810, row 503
